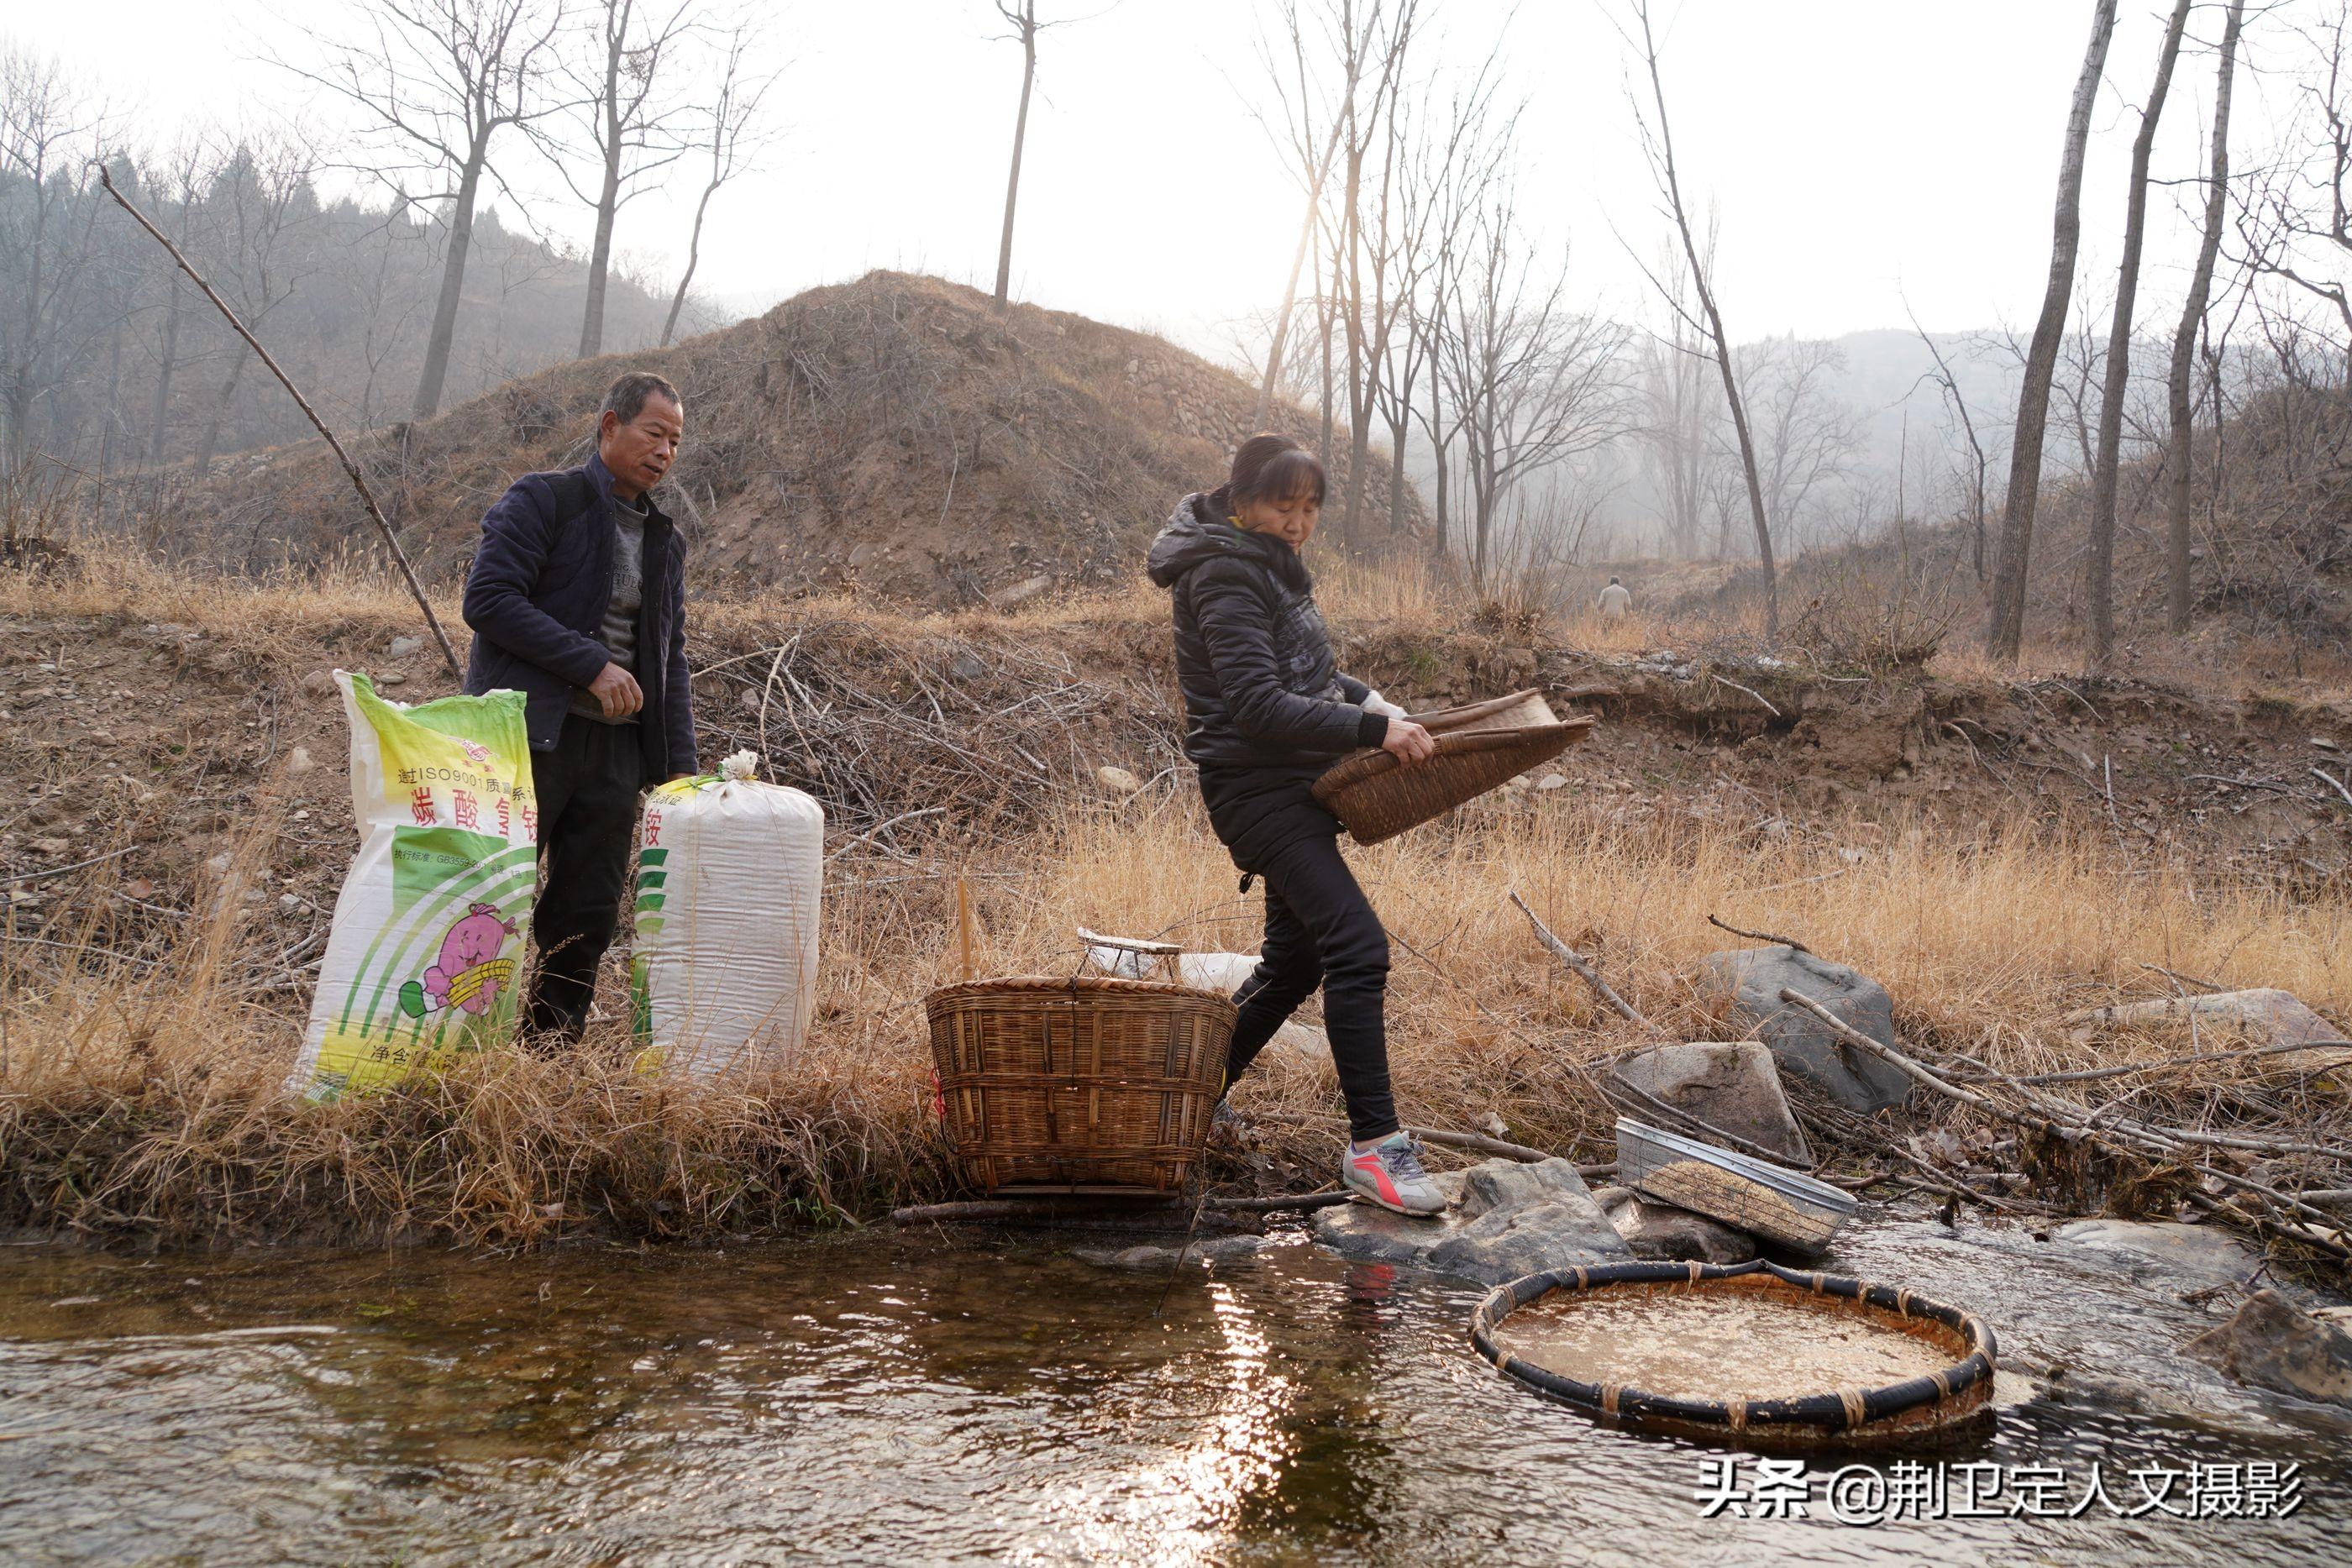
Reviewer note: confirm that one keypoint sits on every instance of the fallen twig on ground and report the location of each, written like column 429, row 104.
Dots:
column 2172, row 1146
column 1788, row 942
column 1583, row 970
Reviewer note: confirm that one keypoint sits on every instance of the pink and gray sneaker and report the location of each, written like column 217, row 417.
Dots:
column 1389, row 1174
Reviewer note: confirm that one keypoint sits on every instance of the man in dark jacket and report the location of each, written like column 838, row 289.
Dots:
column 577, row 600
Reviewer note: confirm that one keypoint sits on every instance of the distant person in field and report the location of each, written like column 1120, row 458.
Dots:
column 1266, row 711
column 1616, row 602
column 577, row 599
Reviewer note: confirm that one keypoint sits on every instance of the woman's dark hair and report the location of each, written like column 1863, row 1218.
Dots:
column 1270, row 468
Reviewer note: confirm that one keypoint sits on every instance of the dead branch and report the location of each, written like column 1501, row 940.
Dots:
column 1788, row 942
column 1583, row 970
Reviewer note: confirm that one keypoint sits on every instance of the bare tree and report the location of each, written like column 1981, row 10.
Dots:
column 261, row 194
column 1314, row 157
column 1022, row 15
column 1534, row 383
column 733, row 136
column 1680, row 406
column 181, row 181
column 1658, row 148
column 2006, row 634
column 2099, row 557
column 1446, row 160
column 2177, row 452
column 1950, row 386
column 2298, row 217
column 1804, row 436
column 439, row 81
column 48, row 133
column 627, row 105
column 1365, row 127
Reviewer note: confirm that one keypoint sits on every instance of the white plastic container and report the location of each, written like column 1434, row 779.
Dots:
column 730, row 878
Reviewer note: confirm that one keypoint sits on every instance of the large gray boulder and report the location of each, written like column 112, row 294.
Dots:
column 1508, row 1219
column 2272, row 1344
column 1730, row 1083
column 1660, row 1230
column 1800, row 1043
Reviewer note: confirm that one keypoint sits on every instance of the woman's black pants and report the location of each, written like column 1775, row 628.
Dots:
column 1320, row 931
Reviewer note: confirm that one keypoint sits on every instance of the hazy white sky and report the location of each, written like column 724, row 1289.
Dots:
column 1858, row 152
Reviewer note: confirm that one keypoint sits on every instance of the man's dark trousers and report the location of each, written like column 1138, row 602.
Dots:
column 587, row 785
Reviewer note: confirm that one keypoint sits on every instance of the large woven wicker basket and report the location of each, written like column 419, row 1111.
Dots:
column 1479, row 747
column 1085, row 1086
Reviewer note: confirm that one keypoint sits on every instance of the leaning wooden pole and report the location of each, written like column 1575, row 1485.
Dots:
column 366, row 495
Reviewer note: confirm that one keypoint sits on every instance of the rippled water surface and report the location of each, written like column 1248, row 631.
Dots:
column 921, row 1399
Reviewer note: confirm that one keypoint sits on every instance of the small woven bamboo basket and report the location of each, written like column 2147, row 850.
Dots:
column 1078, row 1085
column 1479, row 747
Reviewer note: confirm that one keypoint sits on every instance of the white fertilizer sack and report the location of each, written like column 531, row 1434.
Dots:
column 426, row 952
column 730, row 871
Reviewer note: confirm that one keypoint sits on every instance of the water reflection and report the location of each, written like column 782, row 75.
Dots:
column 903, row 1400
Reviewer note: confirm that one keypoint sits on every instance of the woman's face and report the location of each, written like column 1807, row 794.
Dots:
column 1291, row 519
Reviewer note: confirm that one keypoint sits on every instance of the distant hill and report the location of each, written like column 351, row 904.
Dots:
column 898, row 433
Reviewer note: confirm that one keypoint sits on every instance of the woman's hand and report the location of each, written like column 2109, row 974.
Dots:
column 1408, row 742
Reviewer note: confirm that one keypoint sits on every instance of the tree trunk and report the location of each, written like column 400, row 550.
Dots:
column 1722, row 343
column 1359, row 425
column 168, row 359
column 693, row 255
column 220, row 412
column 1436, row 433
column 1396, row 477
column 1323, row 290
column 2099, row 562
column 1020, row 132
column 1297, row 260
column 608, row 201
column 2184, row 343
column 2005, row 634
column 452, row 289
column 113, row 410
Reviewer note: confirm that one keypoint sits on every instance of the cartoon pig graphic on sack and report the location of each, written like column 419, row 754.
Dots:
column 470, row 973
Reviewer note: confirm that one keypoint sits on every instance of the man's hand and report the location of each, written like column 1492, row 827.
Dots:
column 1408, row 742
column 616, row 692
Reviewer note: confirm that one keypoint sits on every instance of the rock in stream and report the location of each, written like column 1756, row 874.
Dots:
column 1508, row 1219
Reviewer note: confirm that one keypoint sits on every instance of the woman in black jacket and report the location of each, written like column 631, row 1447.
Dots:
column 1266, row 710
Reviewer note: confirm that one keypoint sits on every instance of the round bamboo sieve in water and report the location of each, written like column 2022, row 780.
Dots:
column 1954, row 1390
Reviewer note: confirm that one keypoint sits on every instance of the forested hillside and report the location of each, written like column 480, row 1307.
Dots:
column 111, row 361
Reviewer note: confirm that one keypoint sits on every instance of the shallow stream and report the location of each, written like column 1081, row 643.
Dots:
column 924, row 1398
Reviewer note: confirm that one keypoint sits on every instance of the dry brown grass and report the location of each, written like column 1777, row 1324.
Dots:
column 143, row 1103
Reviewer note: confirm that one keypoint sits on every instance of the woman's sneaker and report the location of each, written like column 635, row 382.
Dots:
column 1389, row 1174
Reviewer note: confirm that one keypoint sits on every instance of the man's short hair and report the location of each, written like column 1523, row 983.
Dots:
column 626, row 398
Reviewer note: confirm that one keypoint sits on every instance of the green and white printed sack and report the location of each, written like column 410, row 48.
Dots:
column 730, row 876
column 424, row 957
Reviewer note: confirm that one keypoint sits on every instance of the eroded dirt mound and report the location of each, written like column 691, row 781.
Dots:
column 897, row 433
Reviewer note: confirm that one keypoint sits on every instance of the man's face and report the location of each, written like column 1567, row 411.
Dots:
column 640, row 452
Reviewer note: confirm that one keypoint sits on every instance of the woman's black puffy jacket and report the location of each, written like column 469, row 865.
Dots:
column 1261, row 688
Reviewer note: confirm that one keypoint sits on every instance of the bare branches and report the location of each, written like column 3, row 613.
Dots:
column 629, row 105
column 1658, row 147
column 442, row 79
column 733, row 137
